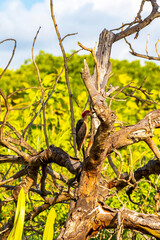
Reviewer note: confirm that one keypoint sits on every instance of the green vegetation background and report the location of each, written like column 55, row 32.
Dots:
column 26, row 102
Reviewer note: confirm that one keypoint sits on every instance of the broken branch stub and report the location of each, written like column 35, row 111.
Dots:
column 106, row 40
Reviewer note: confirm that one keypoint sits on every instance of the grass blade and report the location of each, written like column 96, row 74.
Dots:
column 48, row 230
column 17, row 230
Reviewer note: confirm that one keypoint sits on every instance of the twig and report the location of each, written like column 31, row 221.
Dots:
column 68, row 35
column 139, row 99
column 136, row 20
column 6, row 144
column 111, row 89
column 141, row 24
column 129, row 44
column 119, row 225
column 147, row 44
column 19, row 142
column 13, row 52
column 113, row 166
column 153, row 147
column 6, row 114
column 120, row 156
column 15, row 176
column 149, row 191
column 121, row 27
column 49, row 95
column 43, row 178
column 20, row 90
column 117, row 94
column 42, row 89
column 4, row 175
column 138, row 17
column 157, row 49
column 131, row 167
column 145, row 56
column 88, row 100
column 57, row 175
column 22, row 108
column 95, row 60
column 143, row 83
column 20, row 139
column 129, row 192
column 66, row 76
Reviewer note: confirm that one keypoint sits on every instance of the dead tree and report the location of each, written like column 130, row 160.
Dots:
column 88, row 190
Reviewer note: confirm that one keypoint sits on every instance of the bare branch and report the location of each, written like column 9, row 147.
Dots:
column 49, row 96
column 68, row 35
column 42, row 89
column 153, row 147
column 147, row 44
column 143, row 23
column 20, row 141
column 135, row 133
column 139, row 54
column 145, row 56
column 106, row 40
column 98, row 102
column 111, row 89
column 20, row 90
column 13, row 52
column 152, row 167
column 6, row 114
column 66, row 75
column 96, row 63
column 15, row 176
column 12, row 159
column 113, row 166
column 157, row 49
column 57, row 175
column 146, row 223
column 4, row 142
column 146, row 94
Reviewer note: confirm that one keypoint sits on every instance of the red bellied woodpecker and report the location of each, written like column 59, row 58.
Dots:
column 82, row 130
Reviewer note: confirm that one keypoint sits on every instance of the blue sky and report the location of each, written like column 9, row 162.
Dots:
column 20, row 19
column 29, row 3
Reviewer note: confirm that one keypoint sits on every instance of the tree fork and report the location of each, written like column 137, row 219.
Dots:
column 79, row 222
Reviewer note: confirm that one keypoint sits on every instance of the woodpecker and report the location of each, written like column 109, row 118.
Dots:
column 82, row 130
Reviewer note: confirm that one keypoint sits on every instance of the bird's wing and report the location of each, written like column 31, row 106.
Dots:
column 80, row 133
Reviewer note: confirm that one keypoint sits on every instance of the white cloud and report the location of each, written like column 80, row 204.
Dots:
column 67, row 7
column 19, row 22
column 87, row 17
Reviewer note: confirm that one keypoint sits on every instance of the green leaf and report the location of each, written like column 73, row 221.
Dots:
column 17, row 230
column 48, row 231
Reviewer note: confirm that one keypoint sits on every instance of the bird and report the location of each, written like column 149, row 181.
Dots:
column 82, row 130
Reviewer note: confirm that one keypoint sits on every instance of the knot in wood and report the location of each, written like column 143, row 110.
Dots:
column 110, row 118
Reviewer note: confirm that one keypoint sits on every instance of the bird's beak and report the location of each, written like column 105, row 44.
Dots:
column 90, row 114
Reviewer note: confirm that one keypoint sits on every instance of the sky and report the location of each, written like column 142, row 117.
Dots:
column 20, row 19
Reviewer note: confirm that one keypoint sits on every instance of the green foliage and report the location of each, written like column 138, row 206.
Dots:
column 17, row 230
column 26, row 101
